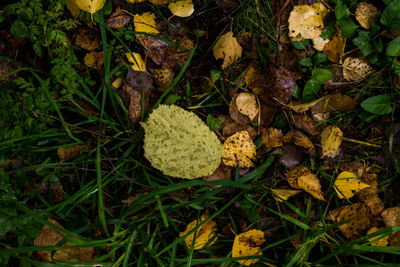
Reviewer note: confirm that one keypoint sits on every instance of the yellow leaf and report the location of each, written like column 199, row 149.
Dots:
column 145, row 23
column 271, row 138
column 182, row 8
column 331, row 139
column 366, row 13
column 320, row 8
column 319, row 43
column 301, row 178
column 137, row 61
column 73, row 8
column 347, row 184
column 247, row 105
column 205, row 233
column 284, row 194
column 91, row 6
column 94, row 60
column 355, row 69
column 382, row 242
column 305, row 22
column 239, row 150
column 227, row 48
column 247, row 244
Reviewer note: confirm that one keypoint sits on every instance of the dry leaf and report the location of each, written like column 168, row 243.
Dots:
column 118, row 19
column 336, row 101
column 290, row 156
column 91, row 6
column 221, row 173
column 94, row 60
column 301, row 178
column 145, row 23
column 239, row 150
column 284, row 194
column 334, row 49
column 382, row 242
column 366, row 13
column 331, row 139
column 228, row 49
column 299, row 107
column 356, row 69
column 247, row 105
column 299, row 139
column 205, row 233
column 164, row 78
column 347, row 184
column 137, row 61
column 305, row 22
column 359, row 220
column 319, row 43
column 369, row 196
column 181, row 8
column 305, row 123
column 234, row 113
column 87, row 39
column 49, row 237
column 66, row 153
column 391, row 217
column 247, row 244
column 271, row 138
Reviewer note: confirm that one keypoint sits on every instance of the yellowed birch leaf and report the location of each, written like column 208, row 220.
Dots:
column 247, row 244
column 239, row 150
column 228, row 49
column 347, row 184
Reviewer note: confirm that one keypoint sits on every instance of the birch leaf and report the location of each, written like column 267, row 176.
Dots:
column 137, row 61
column 302, row 178
column 382, row 242
column 247, row 105
column 91, row 6
column 331, row 139
column 227, row 48
column 284, row 194
column 180, row 144
column 145, row 23
column 247, row 244
column 239, row 150
column 182, row 8
column 305, row 22
column 347, row 184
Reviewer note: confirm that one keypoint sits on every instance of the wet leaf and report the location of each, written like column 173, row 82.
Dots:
column 366, row 13
column 145, row 23
column 284, row 194
column 205, row 233
column 305, row 22
column 137, row 61
column 181, row 8
column 91, row 6
column 331, row 139
column 180, row 144
column 66, row 153
column 271, row 138
column 247, row 105
column 247, row 244
column 383, row 241
column 355, row 69
column 228, row 49
column 301, row 178
column 239, row 150
column 94, row 60
column 347, row 184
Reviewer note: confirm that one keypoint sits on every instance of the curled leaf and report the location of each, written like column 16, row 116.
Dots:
column 181, row 8
column 239, row 150
column 301, row 178
column 331, row 139
column 228, row 49
column 247, row 244
column 347, row 184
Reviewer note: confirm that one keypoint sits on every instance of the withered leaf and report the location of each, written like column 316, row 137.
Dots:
column 334, row 49
column 290, row 156
column 356, row 69
column 118, row 19
column 163, row 78
column 247, row 244
column 94, row 60
column 87, row 39
column 379, row 241
column 239, row 150
column 301, row 178
column 284, row 194
column 347, row 184
column 228, row 49
column 235, row 114
column 331, row 139
column 299, row 139
column 391, row 217
column 271, row 138
column 336, row 101
column 366, row 13
column 247, row 105
column 305, row 22
column 69, row 152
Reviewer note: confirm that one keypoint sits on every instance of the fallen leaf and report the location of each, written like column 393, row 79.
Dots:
column 305, row 123
column 231, row 127
column 205, row 233
column 382, row 242
column 359, row 220
column 91, row 6
column 247, row 244
column 118, row 19
column 117, row 83
column 73, row 8
column 347, row 184
column 284, row 194
column 305, row 22
column 239, row 150
column 301, row 178
column 331, row 139
column 369, row 196
column 228, row 49
column 221, row 173
column 356, row 69
column 48, row 237
column 299, row 107
column 334, row 102
column 135, row 104
column 391, row 217
column 87, row 39
column 163, row 77
column 247, row 105
column 299, row 139
column 319, row 43
column 334, row 49
column 137, row 61
column 69, row 152
column 271, row 138
column 94, row 60
column 366, row 13
column 181, row 8
column 235, row 114
column 145, row 23
column 180, row 144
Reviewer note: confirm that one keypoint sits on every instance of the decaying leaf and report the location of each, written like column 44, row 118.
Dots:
column 299, row 139
column 356, row 69
column 145, row 23
column 228, row 49
column 87, row 39
column 247, row 105
column 334, row 49
column 91, row 6
column 290, row 156
column 247, row 244
column 235, row 114
column 359, row 220
column 366, row 13
column 331, row 139
column 239, row 150
column 305, row 22
column 369, row 196
column 137, row 61
column 391, row 217
column 94, row 60
column 319, row 43
column 118, row 19
column 300, row 107
column 284, row 194
column 336, row 101
column 69, row 152
column 383, row 241
column 221, row 173
column 205, row 234
column 306, row 123
column 181, row 8
column 271, row 138
column 180, row 144
column 164, row 78
column 347, row 184
column 49, row 237
column 301, row 178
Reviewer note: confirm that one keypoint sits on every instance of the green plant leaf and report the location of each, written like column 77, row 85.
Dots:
column 341, row 10
column 180, row 144
column 213, row 123
column 311, row 90
column 306, row 62
column 362, row 41
column 321, row 75
column 172, row 99
column 348, row 27
column 396, row 67
column 319, row 58
column 328, row 32
column 301, row 45
column 377, row 105
column 391, row 15
column 19, row 29
column 393, row 48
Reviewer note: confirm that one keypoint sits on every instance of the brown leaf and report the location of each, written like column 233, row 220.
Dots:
column 366, row 13
column 235, row 114
column 360, row 220
column 50, row 237
column 163, row 78
column 232, row 127
column 334, row 49
column 299, row 139
column 391, row 217
column 135, row 104
column 333, row 102
column 299, row 107
column 271, row 138
column 305, row 123
column 356, row 69
column 302, row 178
column 94, row 60
column 369, row 196
column 118, row 19
column 87, row 39
column 66, row 153
column 222, row 173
